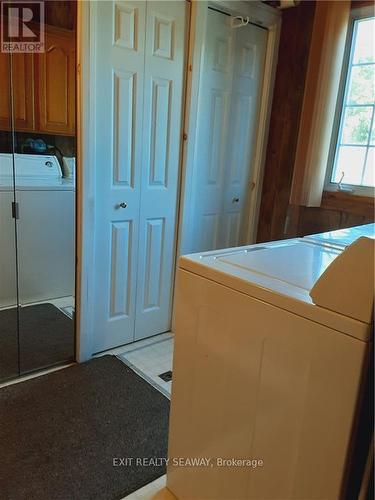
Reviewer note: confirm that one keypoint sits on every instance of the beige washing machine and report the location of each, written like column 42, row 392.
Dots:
column 271, row 348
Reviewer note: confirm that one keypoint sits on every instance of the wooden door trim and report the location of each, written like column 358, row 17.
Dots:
column 85, row 114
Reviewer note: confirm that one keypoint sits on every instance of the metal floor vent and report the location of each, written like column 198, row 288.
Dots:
column 166, row 376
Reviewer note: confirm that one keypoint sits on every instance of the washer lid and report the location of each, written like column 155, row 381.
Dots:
column 281, row 273
column 343, row 237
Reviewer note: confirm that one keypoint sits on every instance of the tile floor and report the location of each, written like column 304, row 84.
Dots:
column 151, row 360
column 156, row 490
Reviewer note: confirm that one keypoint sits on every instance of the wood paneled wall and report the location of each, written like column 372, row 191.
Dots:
column 336, row 212
column 285, row 116
column 362, row 3
column 277, row 218
column 60, row 13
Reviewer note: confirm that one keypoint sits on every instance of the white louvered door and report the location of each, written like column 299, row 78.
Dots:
column 139, row 58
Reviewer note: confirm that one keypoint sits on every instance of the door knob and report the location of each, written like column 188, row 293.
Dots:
column 122, row 205
column 235, row 200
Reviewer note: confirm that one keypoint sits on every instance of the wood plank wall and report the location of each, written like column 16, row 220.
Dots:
column 291, row 69
column 277, row 218
column 60, row 13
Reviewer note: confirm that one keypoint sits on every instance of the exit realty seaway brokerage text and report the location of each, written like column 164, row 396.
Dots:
column 187, row 462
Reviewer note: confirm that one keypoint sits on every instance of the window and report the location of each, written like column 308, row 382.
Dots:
column 353, row 149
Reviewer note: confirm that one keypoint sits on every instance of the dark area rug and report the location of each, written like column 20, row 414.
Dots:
column 61, row 432
column 46, row 338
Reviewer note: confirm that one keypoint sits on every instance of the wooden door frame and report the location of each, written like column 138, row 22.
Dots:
column 85, row 181
column 86, row 125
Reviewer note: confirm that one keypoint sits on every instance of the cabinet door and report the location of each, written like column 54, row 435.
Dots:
column 56, row 84
column 23, row 91
column 4, row 92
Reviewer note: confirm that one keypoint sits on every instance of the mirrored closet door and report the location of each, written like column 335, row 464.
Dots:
column 9, row 362
column 37, row 198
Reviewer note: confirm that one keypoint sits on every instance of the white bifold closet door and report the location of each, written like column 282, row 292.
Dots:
column 139, row 67
column 229, row 100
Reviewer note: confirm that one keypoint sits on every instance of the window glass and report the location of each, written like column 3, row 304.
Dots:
column 354, row 155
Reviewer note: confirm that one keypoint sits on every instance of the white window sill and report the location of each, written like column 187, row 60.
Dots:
column 350, row 189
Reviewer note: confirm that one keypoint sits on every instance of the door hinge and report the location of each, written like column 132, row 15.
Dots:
column 15, row 210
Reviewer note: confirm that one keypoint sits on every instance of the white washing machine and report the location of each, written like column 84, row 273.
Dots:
column 45, row 229
column 267, row 384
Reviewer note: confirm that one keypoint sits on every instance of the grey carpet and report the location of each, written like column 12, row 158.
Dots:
column 60, row 432
column 8, row 344
column 46, row 338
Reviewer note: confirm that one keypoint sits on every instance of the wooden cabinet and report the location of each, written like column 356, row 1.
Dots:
column 56, row 83
column 4, row 91
column 23, row 92
column 43, row 87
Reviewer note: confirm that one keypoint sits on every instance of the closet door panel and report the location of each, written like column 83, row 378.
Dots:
column 164, row 71
column 214, row 108
column 229, row 95
column 119, row 114
column 249, row 57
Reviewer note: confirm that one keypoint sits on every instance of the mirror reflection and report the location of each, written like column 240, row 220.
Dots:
column 37, row 199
